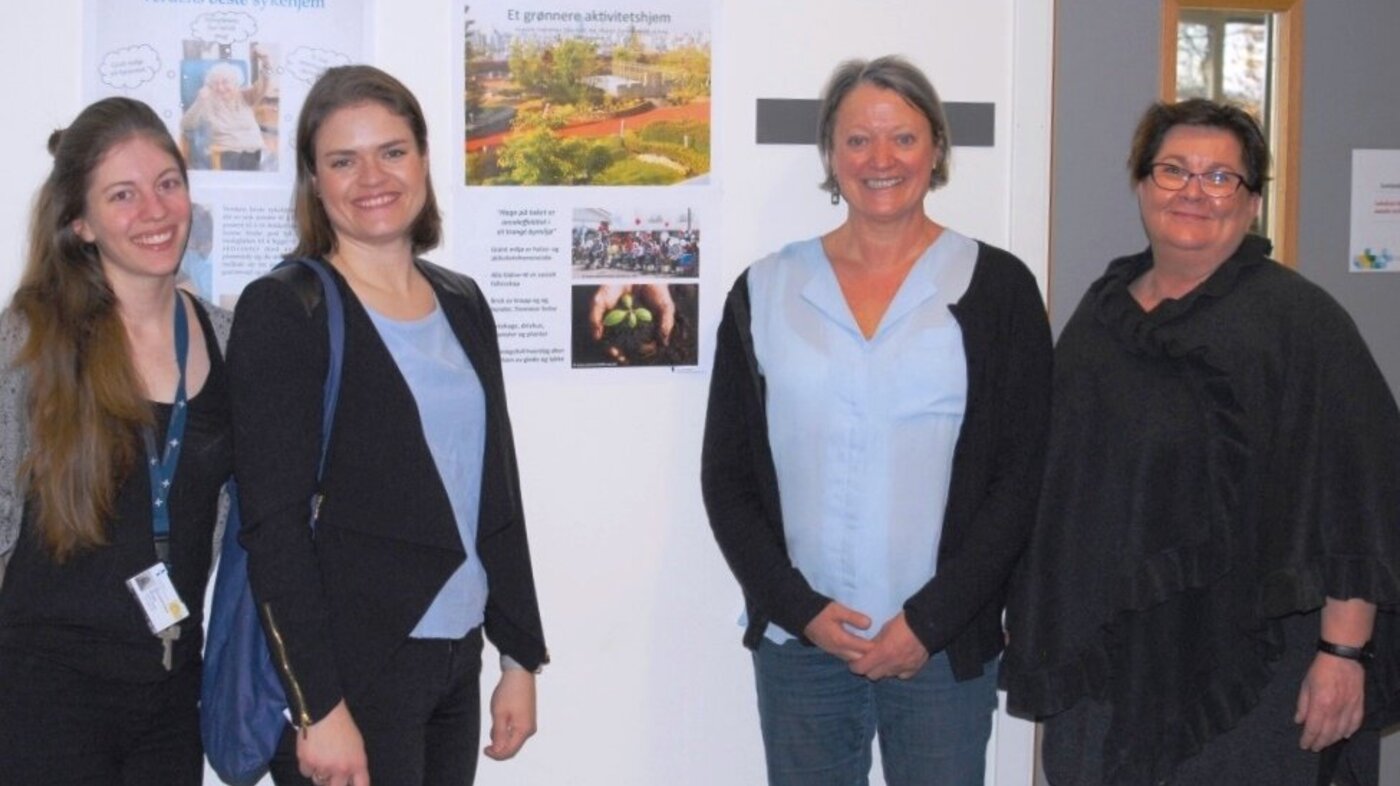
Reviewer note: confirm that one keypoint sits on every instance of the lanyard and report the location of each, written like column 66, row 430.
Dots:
column 162, row 469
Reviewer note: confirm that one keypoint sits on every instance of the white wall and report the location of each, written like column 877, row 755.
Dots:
column 649, row 683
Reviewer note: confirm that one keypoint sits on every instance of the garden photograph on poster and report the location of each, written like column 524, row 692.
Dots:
column 586, row 97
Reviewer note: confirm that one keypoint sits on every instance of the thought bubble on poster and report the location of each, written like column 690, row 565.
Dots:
column 306, row 63
column 130, row 67
column 224, row 27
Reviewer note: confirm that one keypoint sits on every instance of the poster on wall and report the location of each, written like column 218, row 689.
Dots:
column 585, row 205
column 228, row 78
column 1375, row 212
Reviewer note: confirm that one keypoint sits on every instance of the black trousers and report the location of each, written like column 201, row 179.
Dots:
column 58, row 725
column 420, row 719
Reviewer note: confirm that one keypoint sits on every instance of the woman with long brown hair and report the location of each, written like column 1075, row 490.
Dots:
column 114, row 446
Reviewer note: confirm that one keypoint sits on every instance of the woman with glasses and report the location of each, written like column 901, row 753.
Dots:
column 1219, row 524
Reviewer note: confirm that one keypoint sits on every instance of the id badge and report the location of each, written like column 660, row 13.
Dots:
column 158, row 598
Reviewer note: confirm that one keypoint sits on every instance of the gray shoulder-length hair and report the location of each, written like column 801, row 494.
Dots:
column 890, row 72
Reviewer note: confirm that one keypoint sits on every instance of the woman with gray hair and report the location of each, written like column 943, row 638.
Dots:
column 222, row 119
column 874, row 440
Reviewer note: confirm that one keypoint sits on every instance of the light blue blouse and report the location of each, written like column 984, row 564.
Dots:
column 862, row 431
column 452, row 410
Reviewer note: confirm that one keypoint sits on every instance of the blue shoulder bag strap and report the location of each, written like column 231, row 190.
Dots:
column 335, row 326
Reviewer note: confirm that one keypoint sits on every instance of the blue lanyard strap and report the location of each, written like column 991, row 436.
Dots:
column 162, row 465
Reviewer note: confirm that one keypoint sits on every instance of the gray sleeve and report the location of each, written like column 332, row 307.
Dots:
column 12, row 432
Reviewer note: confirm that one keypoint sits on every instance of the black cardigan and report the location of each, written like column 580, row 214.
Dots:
column 992, row 495
column 386, row 540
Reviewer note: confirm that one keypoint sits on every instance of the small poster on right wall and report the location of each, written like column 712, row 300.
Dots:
column 1375, row 212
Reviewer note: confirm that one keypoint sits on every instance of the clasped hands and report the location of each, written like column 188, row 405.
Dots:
column 894, row 652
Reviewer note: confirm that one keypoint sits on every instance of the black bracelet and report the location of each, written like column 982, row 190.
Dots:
column 1363, row 654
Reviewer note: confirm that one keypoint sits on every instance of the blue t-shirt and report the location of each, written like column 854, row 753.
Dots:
column 452, row 410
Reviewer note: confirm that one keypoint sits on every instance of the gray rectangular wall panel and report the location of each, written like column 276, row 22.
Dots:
column 793, row 121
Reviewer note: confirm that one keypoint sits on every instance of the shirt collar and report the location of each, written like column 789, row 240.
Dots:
column 824, row 292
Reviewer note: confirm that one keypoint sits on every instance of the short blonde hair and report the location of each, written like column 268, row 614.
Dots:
column 890, row 72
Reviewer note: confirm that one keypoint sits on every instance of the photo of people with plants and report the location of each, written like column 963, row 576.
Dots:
column 635, row 324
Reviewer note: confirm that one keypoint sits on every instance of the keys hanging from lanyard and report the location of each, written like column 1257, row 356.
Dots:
column 167, row 645
column 162, row 463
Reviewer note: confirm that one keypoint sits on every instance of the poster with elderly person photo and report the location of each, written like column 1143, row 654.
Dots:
column 231, row 108
column 226, row 80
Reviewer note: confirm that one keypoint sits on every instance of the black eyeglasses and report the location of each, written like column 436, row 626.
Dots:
column 1217, row 183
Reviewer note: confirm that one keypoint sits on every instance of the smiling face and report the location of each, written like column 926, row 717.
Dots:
column 223, row 81
column 1187, row 224
column 136, row 211
column 882, row 154
column 370, row 174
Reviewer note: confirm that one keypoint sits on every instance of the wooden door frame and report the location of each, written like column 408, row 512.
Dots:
column 1286, row 107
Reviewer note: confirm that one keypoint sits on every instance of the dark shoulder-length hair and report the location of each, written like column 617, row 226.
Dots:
column 84, row 398
column 336, row 89
column 890, row 72
column 1162, row 117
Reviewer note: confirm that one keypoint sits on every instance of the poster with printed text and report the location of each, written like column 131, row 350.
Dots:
column 228, row 77
column 586, row 204
column 1375, row 212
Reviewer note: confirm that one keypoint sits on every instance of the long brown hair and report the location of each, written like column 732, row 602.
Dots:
column 336, row 89
column 85, row 398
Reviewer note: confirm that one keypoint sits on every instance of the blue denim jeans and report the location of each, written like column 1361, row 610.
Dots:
column 819, row 720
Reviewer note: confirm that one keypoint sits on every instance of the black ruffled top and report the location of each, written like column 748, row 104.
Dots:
column 1219, row 462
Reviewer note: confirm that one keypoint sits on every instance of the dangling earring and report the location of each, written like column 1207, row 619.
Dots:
column 835, row 195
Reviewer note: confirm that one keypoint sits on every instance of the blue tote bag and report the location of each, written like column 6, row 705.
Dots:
column 242, row 705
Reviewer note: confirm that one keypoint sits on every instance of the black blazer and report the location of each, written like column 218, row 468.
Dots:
column 336, row 606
